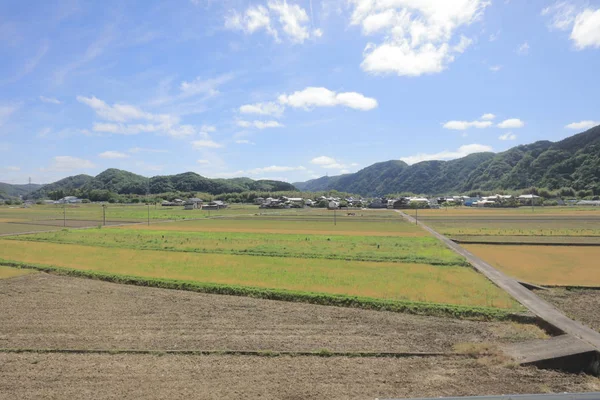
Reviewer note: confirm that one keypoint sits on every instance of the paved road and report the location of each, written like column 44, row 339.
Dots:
column 536, row 305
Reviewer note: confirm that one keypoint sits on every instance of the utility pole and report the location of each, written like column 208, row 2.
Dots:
column 334, row 217
column 416, row 214
column 148, row 204
column 103, row 214
column 64, row 215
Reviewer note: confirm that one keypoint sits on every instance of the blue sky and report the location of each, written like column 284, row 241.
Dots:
column 286, row 89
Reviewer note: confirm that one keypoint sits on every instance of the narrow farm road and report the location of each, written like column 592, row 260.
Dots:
column 526, row 297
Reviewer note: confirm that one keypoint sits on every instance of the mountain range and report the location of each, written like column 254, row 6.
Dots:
column 123, row 182
column 573, row 162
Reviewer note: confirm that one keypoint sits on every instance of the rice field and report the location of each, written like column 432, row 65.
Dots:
column 422, row 249
column 544, row 265
column 370, row 255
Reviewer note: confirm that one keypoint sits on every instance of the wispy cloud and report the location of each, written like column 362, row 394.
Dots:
column 462, row 151
column 30, row 65
column 50, row 100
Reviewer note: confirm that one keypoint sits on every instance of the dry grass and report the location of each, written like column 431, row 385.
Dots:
column 416, row 282
column 545, row 265
column 8, row 272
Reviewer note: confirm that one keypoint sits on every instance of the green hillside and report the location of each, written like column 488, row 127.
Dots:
column 124, row 182
column 9, row 190
column 573, row 162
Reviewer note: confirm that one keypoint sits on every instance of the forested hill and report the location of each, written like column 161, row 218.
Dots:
column 8, row 190
column 573, row 162
column 124, row 182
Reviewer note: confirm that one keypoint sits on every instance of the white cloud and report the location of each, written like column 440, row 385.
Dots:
column 330, row 163
column 583, row 23
column 508, row 136
column 259, row 124
column 277, row 18
column 11, row 168
column 417, row 37
column 208, row 128
column 207, row 87
column 124, row 129
column 462, row 151
column 112, row 154
column 323, row 160
column 323, row 97
column 244, row 141
column 203, row 162
column 523, row 49
column 562, row 15
column 269, row 108
column 122, row 112
column 487, row 117
column 463, row 125
column 274, row 168
column 582, row 125
column 494, row 36
column 50, row 100
column 69, row 163
column 205, row 143
column 495, row 68
column 586, row 29
column 511, row 123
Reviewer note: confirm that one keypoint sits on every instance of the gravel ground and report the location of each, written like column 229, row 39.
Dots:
column 49, row 311
column 580, row 304
column 73, row 376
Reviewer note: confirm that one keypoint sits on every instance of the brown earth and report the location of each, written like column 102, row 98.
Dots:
column 580, row 304
column 48, row 311
column 78, row 376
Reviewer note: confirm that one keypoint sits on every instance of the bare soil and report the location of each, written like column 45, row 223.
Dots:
column 77, row 376
column 580, row 304
column 45, row 311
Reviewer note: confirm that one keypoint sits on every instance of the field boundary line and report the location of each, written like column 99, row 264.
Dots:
column 478, row 313
column 251, row 353
column 459, row 241
column 544, row 310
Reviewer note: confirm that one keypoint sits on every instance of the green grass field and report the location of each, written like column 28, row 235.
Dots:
column 424, row 249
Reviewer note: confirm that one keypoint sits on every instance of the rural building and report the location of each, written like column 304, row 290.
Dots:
column 214, row 205
column 333, row 205
column 527, row 199
column 378, row 203
column 595, row 203
column 68, row 200
column 259, row 200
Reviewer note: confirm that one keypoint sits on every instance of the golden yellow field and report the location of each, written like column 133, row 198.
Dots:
column 418, row 282
column 544, row 265
column 8, row 272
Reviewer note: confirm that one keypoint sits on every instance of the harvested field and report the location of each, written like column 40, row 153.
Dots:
column 8, row 272
column 530, row 239
column 10, row 228
column 74, row 376
column 361, row 248
column 579, row 304
column 44, row 311
column 544, row 265
column 417, row 282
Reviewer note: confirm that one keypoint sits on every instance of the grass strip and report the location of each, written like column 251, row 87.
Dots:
column 252, row 353
column 409, row 307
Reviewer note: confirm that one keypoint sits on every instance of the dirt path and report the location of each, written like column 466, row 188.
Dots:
column 49, row 311
column 34, row 376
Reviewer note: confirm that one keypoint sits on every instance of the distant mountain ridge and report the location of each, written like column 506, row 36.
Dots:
column 125, row 182
column 10, row 190
column 572, row 162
